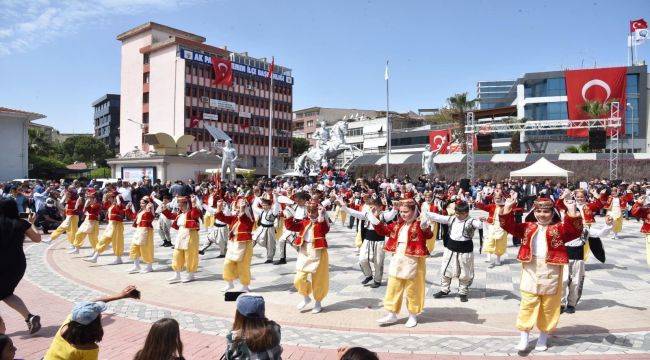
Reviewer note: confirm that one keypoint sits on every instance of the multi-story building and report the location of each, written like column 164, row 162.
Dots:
column 107, row 120
column 14, row 142
column 167, row 86
column 305, row 121
column 495, row 94
column 543, row 96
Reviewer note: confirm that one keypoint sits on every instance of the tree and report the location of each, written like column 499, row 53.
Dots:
column 299, row 146
column 596, row 109
column 86, row 149
column 460, row 105
column 582, row 148
column 46, row 167
column 39, row 144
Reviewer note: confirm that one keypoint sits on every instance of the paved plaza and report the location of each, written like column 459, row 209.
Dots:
column 611, row 320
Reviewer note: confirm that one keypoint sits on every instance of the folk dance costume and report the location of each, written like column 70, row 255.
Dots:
column 142, row 241
column 186, row 244
column 313, row 258
column 90, row 226
column 264, row 235
column 73, row 208
column 542, row 255
column 614, row 206
column 113, row 235
column 298, row 212
column 239, row 250
column 219, row 233
column 407, row 270
column 643, row 212
column 164, row 224
column 497, row 238
column 458, row 257
column 372, row 247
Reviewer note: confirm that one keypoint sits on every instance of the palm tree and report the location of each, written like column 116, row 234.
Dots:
column 596, row 109
column 460, row 105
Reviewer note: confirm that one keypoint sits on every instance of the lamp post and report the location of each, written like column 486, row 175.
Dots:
column 632, row 121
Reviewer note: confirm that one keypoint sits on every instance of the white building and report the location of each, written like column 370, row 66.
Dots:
column 14, row 142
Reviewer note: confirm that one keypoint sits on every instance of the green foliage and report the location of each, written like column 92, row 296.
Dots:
column 46, row 167
column 459, row 105
column 596, row 109
column 102, row 172
column 582, row 148
column 443, row 116
column 299, row 145
column 86, row 149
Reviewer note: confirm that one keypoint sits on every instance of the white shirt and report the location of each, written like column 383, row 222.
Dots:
column 538, row 244
column 456, row 231
column 126, row 193
column 403, row 236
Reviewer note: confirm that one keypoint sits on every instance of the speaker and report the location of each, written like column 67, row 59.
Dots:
column 484, row 142
column 597, row 139
column 464, row 184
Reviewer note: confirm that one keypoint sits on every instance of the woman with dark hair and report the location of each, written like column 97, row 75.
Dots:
column 77, row 338
column 7, row 348
column 356, row 353
column 253, row 336
column 163, row 342
column 12, row 258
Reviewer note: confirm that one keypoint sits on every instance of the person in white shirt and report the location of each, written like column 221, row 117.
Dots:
column 296, row 207
column 265, row 217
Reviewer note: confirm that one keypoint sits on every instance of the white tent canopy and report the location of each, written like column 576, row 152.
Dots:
column 542, row 168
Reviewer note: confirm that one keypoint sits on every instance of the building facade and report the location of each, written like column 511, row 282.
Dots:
column 495, row 94
column 167, row 86
column 107, row 120
column 306, row 121
column 14, row 142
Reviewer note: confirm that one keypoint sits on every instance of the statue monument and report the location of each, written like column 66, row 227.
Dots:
column 329, row 144
column 428, row 155
column 228, row 159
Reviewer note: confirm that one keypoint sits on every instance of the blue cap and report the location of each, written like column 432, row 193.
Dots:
column 85, row 312
column 251, row 305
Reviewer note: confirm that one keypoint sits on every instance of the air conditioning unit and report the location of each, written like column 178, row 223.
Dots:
column 205, row 99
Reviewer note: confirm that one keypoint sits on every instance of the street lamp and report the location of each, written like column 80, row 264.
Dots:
column 632, row 122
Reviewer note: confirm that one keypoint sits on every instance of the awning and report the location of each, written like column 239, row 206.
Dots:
column 641, row 156
column 374, row 143
column 583, row 156
column 501, row 158
column 448, row 158
column 372, row 128
column 395, row 159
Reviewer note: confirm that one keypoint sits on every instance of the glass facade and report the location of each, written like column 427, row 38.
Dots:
column 493, row 94
column 632, row 106
column 545, row 87
column 546, row 111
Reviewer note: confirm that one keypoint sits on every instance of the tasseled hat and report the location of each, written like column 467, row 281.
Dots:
column 543, row 203
column 312, row 205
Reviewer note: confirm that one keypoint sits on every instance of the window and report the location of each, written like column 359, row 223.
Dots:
column 145, row 58
column 632, row 117
column 145, row 98
column 145, row 78
column 145, row 118
column 632, row 84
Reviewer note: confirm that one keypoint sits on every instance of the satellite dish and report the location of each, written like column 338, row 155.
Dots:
column 217, row 134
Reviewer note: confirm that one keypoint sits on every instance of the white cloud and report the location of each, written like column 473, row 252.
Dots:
column 29, row 24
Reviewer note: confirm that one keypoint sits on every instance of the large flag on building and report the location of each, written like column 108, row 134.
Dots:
column 222, row 71
column 638, row 31
column 439, row 140
column 603, row 85
column 271, row 68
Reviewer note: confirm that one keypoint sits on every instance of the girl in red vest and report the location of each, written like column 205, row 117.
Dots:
column 114, row 233
column 542, row 255
column 90, row 226
column 642, row 211
column 187, row 222
column 313, row 258
column 73, row 208
column 239, row 250
column 142, row 241
column 407, row 242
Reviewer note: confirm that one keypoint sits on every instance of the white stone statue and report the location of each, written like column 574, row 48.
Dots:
column 228, row 158
column 428, row 166
column 322, row 135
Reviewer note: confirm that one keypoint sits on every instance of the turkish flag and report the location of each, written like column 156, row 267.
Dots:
column 439, row 140
column 603, row 85
column 638, row 24
column 222, row 71
column 271, row 68
column 194, row 122
column 245, row 124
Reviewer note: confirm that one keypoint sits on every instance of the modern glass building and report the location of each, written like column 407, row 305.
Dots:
column 494, row 94
column 107, row 120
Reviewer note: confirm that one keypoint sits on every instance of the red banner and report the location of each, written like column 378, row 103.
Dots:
column 439, row 140
column 603, row 85
column 222, row 71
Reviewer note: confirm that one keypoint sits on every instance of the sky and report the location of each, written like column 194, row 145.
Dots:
column 57, row 57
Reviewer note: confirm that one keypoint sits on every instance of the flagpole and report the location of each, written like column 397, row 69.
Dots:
column 271, row 123
column 388, row 124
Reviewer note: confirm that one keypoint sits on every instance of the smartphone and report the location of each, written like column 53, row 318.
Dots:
column 232, row 295
column 23, row 215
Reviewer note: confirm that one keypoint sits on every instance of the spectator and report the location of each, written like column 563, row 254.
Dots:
column 48, row 218
column 7, row 348
column 356, row 353
column 253, row 336
column 77, row 338
column 163, row 342
column 12, row 258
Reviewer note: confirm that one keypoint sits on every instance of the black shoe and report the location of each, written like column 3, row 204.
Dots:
column 33, row 323
column 570, row 309
column 375, row 285
column 281, row 261
column 562, row 309
column 440, row 294
column 269, row 261
column 221, row 256
column 463, row 298
column 167, row 244
column 366, row 280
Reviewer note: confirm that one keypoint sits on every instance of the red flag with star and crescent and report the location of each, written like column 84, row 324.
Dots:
column 603, row 85
column 271, row 68
column 638, row 24
column 222, row 71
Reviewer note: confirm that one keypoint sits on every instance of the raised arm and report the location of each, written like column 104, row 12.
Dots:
column 441, row 219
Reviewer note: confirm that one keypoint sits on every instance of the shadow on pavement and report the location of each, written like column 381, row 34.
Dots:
column 457, row 314
column 592, row 304
column 591, row 334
